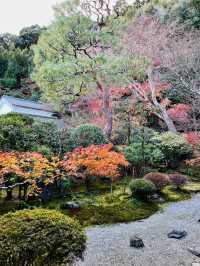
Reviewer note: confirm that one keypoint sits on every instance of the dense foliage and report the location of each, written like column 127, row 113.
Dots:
column 24, row 170
column 174, row 147
column 94, row 161
column 39, row 237
column 142, row 188
column 140, row 155
column 22, row 133
column 129, row 98
column 16, row 63
column 86, row 135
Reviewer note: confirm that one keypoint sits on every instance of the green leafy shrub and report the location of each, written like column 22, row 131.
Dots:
column 39, row 237
column 178, row 180
column 86, row 135
column 119, row 137
column 160, row 180
column 45, row 150
column 142, row 188
column 142, row 134
column 140, row 155
column 174, row 147
column 22, row 133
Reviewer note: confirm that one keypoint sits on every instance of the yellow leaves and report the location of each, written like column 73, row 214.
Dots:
column 29, row 166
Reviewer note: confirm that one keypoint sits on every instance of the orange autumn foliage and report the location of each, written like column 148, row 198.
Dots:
column 29, row 166
column 95, row 160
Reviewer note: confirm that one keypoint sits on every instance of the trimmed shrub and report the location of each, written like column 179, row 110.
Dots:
column 40, row 237
column 86, row 135
column 178, row 180
column 142, row 188
column 158, row 179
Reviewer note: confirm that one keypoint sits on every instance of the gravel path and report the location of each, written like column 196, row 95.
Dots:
column 109, row 245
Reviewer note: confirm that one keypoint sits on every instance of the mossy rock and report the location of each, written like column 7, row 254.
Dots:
column 170, row 194
column 192, row 187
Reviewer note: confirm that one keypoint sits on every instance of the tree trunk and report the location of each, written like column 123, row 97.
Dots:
column 9, row 194
column 163, row 112
column 129, row 128
column 20, row 192
column 107, row 109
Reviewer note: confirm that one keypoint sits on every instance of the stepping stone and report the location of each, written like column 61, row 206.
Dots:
column 136, row 242
column 177, row 234
column 195, row 252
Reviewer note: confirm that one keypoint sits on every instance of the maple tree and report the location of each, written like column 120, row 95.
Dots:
column 95, row 160
column 23, row 169
column 160, row 44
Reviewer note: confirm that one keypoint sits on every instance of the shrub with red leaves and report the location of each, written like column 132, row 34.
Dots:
column 192, row 138
column 160, row 180
column 177, row 180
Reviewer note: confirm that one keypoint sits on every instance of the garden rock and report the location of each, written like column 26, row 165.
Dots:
column 195, row 252
column 177, row 234
column 156, row 198
column 136, row 242
column 72, row 205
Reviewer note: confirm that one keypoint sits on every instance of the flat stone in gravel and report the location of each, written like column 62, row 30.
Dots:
column 109, row 245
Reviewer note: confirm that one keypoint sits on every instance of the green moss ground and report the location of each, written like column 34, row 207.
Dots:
column 98, row 207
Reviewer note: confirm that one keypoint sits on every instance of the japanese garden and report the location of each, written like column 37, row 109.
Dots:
column 100, row 136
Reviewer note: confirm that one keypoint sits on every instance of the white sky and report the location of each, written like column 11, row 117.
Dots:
column 17, row 14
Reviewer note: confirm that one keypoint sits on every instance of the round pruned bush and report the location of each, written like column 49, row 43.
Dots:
column 86, row 135
column 178, row 180
column 142, row 188
column 160, row 180
column 40, row 237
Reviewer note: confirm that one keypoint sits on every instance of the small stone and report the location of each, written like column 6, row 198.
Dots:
column 136, row 242
column 195, row 252
column 156, row 198
column 71, row 205
column 177, row 234
column 195, row 264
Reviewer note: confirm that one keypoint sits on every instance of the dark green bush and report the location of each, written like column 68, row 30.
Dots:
column 45, row 150
column 142, row 134
column 140, row 155
column 174, row 147
column 22, row 133
column 39, row 237
column 86, row 135
column 142, row 188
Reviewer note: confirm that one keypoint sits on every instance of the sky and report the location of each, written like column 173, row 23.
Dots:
column 17, row 14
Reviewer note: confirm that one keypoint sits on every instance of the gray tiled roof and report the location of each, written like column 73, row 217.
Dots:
column 28, row 104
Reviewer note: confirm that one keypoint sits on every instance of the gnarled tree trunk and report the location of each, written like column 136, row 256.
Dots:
column 163, row 112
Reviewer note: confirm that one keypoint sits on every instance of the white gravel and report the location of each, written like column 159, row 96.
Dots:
column 109, row 245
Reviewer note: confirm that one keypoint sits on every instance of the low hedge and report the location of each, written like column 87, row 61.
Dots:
column 40, row 237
